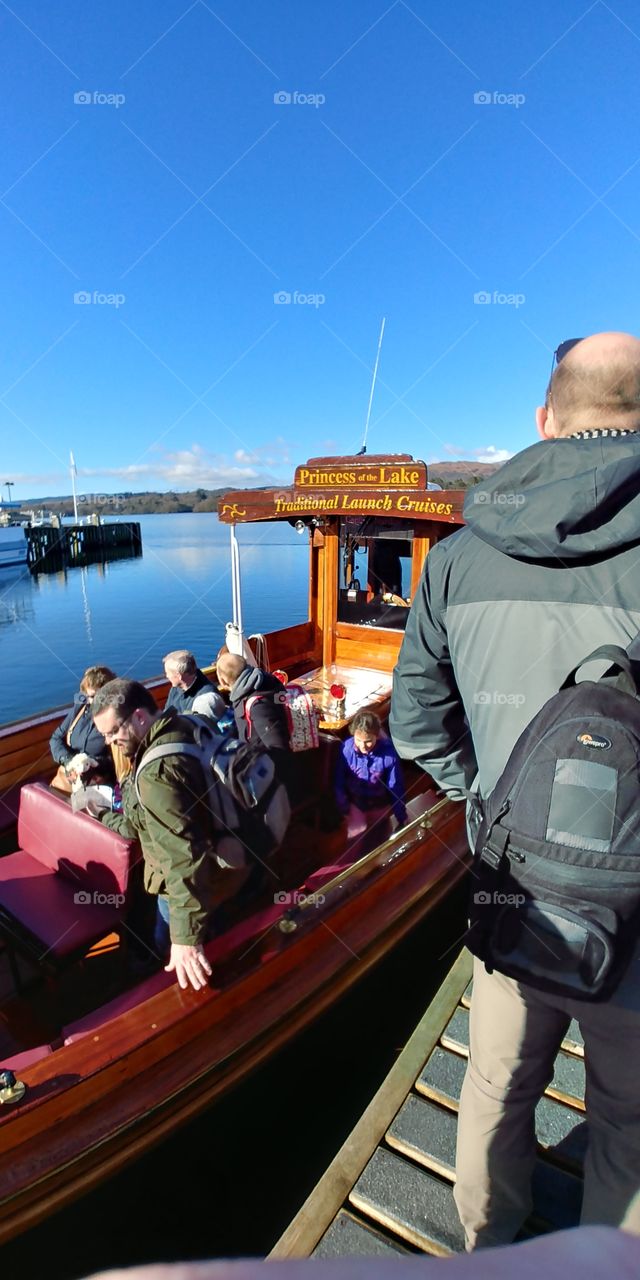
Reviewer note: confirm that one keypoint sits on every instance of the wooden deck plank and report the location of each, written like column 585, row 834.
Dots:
column 350, row 1237
column 410, row 1202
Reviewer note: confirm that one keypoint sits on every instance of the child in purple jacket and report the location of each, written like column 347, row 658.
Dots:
column 369, row 779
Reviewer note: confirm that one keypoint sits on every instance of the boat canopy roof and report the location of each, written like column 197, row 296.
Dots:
column 393, row 485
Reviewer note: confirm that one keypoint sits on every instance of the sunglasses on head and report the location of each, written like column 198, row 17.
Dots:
column 561, row 351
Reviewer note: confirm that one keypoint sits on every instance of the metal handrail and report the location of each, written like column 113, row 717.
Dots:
column 422, row 823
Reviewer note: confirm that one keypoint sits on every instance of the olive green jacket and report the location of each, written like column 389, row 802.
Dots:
column 173, row 824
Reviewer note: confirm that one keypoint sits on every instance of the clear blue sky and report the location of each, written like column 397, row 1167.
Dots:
column 182, row 209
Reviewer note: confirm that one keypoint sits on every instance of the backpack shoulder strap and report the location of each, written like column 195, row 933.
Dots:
column 160, row 753
column 619, row 658
column 248, row 707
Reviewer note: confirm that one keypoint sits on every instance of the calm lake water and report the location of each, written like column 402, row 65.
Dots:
column 128, row 613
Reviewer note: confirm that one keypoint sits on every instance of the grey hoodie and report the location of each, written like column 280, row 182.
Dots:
column 546, row 570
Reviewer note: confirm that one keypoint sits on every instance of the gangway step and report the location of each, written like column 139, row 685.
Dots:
column 349, row 1236
column 426, row 1133
column 560, row 1129
column 410, row 1203
column 568, row 1077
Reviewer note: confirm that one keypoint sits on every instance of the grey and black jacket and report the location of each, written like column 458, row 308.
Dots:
column 546, row 570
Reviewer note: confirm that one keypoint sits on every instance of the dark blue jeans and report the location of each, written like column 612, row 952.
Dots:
column 161, row 934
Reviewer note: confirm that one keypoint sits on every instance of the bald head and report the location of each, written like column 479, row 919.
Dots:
column 596, row 385
column 228, row 667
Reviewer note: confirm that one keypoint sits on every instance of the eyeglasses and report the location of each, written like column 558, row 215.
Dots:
column 110, row 734
column 561, row 351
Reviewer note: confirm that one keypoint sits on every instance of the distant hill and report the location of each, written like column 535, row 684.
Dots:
column 460, row 475
column 451, row 475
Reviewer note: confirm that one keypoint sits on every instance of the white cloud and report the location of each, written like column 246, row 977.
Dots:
column 181, row 469
column 491, row 454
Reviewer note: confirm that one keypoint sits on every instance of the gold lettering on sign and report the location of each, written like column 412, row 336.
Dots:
column 410, row 476
column 402, row 503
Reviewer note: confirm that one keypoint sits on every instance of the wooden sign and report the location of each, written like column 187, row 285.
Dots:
column 355, row 473
column 412, row 504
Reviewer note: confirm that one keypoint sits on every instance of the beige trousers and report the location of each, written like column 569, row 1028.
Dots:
column 515, row 1034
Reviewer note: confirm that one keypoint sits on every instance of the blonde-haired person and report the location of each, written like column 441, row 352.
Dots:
column 77, row 733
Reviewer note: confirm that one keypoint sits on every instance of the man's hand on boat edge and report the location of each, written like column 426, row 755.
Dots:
column 190, row 965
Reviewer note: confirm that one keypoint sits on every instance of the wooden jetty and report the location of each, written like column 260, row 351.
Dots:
column 389, row 1189
column 78, row 544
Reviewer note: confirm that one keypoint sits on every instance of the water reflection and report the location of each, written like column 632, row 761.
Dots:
column 127, row 613
column 16, row 597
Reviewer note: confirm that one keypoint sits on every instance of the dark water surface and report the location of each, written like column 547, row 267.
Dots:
column 228, row 1183
column 127, row 614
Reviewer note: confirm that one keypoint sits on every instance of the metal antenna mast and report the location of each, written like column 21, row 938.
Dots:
column 373, row 384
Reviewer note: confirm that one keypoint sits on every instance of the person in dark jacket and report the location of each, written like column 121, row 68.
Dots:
column 191, row 690
column 266, row 718
column 546, row 570
column 169, row 812
column 78, row 732
column 259, row 714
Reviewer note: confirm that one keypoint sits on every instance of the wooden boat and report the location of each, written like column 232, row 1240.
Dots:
column 110, row 1067
column 389, row 1189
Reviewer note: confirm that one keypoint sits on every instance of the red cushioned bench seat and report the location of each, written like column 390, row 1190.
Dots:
column 66, row 886
column 25, row 1059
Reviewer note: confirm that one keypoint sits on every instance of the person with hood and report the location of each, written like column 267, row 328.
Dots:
column 77, row 732
column 265, row 718
column 546, row 570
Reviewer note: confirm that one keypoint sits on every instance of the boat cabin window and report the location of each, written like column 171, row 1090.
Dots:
column 374, row 572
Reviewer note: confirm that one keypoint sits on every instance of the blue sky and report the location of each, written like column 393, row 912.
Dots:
column 420, row 154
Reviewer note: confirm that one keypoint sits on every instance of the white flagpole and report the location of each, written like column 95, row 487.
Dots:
column 74, row 472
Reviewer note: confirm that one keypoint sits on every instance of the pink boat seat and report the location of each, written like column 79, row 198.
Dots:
column 26, row 1059
column 66, row 886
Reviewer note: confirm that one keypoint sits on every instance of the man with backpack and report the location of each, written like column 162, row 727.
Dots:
column 255, row 698
column 166, row 805
column 546, row 571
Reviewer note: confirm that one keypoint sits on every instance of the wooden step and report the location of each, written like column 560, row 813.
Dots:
column 560, row 1129
column 568, row 1077
column 426, row 1133
column 349, row 1236
column 410, row 1203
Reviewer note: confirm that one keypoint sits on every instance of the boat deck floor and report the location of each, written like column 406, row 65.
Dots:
column 390, row 1188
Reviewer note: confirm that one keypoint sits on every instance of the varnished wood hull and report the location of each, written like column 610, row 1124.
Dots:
column 97, row 1104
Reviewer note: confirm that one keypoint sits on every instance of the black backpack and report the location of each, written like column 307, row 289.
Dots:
column 555, row 899
column 249, row 806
